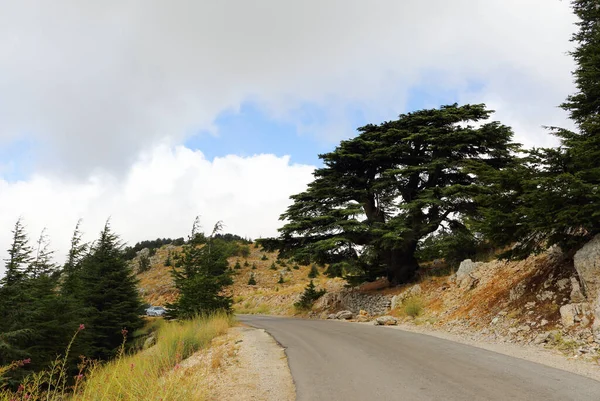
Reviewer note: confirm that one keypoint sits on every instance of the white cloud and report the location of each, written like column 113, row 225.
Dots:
column 165, row 189
column 99, row 82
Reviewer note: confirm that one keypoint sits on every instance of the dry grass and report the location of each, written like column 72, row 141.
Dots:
column 143, row 376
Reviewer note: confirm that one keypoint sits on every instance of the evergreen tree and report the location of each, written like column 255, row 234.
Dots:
column 19, row 256
column 251, row 280
column 314, row 272
column 253, row 266
column 379, row 194
column 309, row 296
column 264, row 257
column 273, row 267
column 237, row 265
column 42, row 264
column 168, row 261
column 281, row 281
column 246, row 264
column 108, row 289
column 14, row 297
column 554, row 195
column 203, row 275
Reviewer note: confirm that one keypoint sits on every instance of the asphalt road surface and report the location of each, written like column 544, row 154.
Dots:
column 332, row 360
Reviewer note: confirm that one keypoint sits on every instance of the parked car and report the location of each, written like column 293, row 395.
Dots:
column 155, row 311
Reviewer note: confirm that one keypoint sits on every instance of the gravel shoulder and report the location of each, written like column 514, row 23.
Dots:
column 532, row 353
column 257, row 370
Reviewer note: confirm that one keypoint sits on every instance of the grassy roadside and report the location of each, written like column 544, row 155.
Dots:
column 141, row 376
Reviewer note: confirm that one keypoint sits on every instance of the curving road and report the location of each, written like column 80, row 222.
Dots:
column 332, row 360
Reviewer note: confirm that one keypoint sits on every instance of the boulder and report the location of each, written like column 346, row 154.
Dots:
column 332, row 316
column 567, row 315
column 541, row 338
column 344, row 315
column 587, row 264
column 386, row 321
column 463, row 274
column 573, row 313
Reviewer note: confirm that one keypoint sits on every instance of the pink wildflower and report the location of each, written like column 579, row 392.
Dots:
column 81, row 326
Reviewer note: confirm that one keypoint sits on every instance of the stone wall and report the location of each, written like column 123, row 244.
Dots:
column 355, row 301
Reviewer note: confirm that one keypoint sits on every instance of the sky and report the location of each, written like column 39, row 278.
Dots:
column 150, row 112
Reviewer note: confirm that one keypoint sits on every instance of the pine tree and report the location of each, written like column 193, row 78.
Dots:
column 281, row 281
column 19, row 256
column 251, row 280
column 203, row 275
column 14, row 298
column 556, row 199
column 309, row 296
column 237, row 265
column 273, row 267
column 168, row 261
column 264, row 257
column 42, row 264
column 108, row 288
column 246, row 264
column 253, row 266
column 314, row 272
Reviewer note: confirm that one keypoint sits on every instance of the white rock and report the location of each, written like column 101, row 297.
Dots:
column 576, row 294
column 463, row 274
column 386, row 321
column 567, row 315
column 344, row 315
column 587, row 264
column 541, row 338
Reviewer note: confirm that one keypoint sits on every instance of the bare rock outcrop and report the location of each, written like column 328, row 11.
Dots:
column 587, row 264
column 464, row 274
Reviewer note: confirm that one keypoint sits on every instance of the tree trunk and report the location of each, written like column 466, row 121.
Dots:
column 401, row 265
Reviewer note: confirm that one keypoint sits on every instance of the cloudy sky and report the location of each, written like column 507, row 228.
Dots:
column 153, row 112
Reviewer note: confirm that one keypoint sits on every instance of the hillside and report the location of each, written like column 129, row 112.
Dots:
column 267, row 296
column 536, row 300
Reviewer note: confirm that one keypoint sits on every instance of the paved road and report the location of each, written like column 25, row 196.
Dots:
column 332, row 360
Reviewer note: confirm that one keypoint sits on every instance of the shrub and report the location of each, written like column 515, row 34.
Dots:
column 314, row 272
column 264, row 257
column 253, row 266
column 413, row 307
column 143, row 263
column 237, row 265
column 252, row 280
column 245, row 251
column 309, row 296
column 168, row 260
column 296, row 267
column 280, row 279
column 273, row 267
column 246, row 264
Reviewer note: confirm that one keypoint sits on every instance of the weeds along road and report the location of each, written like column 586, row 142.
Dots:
column 333, row 360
